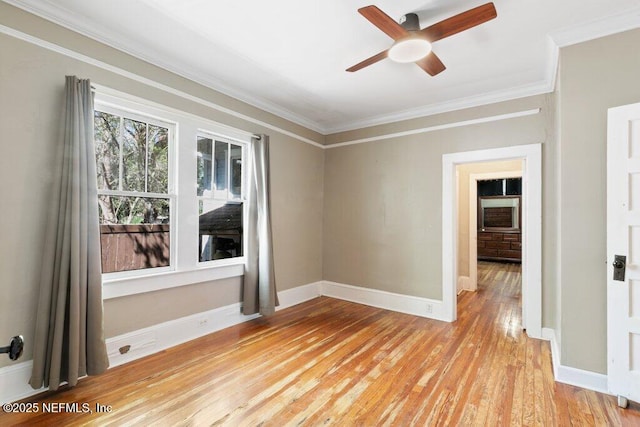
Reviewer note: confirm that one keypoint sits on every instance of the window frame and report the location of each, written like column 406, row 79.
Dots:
column 128, row 113
column 185, row 268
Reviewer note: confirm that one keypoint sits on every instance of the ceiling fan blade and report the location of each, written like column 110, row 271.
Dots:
column 460, row 22
column 383, row 21
column 431, row 64
column 369, row 61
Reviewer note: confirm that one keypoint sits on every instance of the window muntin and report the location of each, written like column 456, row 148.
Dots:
column 134, row 198
column 220, row 198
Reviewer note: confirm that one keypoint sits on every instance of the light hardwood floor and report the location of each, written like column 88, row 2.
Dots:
column 331, row 362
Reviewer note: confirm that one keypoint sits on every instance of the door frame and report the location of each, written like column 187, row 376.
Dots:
column 531, row 155
column 473, row 218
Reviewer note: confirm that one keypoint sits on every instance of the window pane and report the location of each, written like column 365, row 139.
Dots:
column 107, row 134
column 236, row 171
column 134, row 233
column 221, row 159
column 204, row 165
column 158, row 163
column 134, row 154
column 220, row 233
column 133, row 210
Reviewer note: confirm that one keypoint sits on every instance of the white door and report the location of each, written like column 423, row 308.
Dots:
column 623, row 239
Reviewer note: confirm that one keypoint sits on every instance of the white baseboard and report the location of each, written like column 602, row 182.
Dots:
column 423, row 307
column 144, row 342
column 153, row 339
column 14, row 382
column 573, row 376
column 584, row 379
column 549, row 334
column 298, row 295
column 14, row 379
column 464, row 284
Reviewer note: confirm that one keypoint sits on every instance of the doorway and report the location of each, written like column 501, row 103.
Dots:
column 531, row 158
column 468, row 176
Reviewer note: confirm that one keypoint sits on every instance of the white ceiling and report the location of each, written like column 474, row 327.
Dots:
column 289, row 56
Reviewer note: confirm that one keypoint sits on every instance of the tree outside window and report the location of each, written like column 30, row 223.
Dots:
column 132, row 158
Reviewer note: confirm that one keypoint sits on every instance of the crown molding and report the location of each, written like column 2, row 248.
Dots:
column 75, row 55
column 53, row 13
column 541, row 87
column 62, row 17
column 591, row 30
column 602, row 27
column 553, row 59
column 135, row 77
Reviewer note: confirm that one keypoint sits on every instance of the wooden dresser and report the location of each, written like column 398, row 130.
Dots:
column 500, row 245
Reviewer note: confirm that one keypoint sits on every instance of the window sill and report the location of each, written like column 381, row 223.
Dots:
column 120, row 287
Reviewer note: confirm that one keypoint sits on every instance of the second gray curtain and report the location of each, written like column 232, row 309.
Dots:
column 259, row 289
column 69, row 337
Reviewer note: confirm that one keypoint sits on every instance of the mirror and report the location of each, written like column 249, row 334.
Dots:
column 499, row 212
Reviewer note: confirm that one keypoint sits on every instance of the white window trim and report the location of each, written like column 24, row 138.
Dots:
column 120, row 287
column 185, row 268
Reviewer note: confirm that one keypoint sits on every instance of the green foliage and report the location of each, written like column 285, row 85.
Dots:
column 131, row 156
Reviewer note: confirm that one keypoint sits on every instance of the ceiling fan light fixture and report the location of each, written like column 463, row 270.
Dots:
column 409, row 49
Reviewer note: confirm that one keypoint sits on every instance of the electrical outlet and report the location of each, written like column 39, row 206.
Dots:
column 429, row 308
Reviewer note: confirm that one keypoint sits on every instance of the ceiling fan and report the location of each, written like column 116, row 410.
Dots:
column 413, row 44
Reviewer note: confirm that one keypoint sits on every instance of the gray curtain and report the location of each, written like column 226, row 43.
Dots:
column 259, row 290
column 69, row 337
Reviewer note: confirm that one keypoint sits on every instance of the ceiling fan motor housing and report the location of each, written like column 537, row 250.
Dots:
column 410, row 22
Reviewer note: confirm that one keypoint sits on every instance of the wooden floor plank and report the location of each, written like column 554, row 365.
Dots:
column 332, row 362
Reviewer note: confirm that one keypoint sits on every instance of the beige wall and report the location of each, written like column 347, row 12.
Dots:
column 594, row 76
column 31, row 90
column 383, row 199
column 463, row 172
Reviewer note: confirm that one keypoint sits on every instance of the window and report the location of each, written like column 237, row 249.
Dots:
column 134, row 190
column 220, row 198
column 171, row 196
